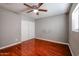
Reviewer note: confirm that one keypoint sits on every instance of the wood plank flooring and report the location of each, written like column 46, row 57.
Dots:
column 36, row 47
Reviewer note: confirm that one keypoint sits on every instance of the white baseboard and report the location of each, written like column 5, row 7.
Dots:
column 12, row 44
column 9, row 45
column 29, row 39
column 71, row 50
column 53, row 41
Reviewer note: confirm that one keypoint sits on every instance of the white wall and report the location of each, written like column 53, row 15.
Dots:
column 27, row 28
column 15, row 27
column 10, row 31
column 73, row 36
column 52, row 28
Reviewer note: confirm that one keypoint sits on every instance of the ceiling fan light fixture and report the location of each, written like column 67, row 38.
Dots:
column 35, row 10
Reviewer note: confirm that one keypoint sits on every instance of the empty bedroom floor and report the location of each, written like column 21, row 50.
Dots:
column 37, row 47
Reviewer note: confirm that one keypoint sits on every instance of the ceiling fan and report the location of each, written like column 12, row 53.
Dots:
column 35, row 8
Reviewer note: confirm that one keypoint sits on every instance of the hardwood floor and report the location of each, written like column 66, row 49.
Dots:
column 36, row 47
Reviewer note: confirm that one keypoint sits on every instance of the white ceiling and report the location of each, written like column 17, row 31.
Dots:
column 53, row 9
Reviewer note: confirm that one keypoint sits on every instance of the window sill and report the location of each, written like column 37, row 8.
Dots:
column 75, row 30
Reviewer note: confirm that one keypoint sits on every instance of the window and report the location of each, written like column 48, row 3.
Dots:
column 75, row 20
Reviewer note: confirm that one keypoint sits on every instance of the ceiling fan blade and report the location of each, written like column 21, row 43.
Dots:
column 26, row 9
column 37, row 13
column 29, row 11
column 28, row 5
column 42, row 10
column 40, row 4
